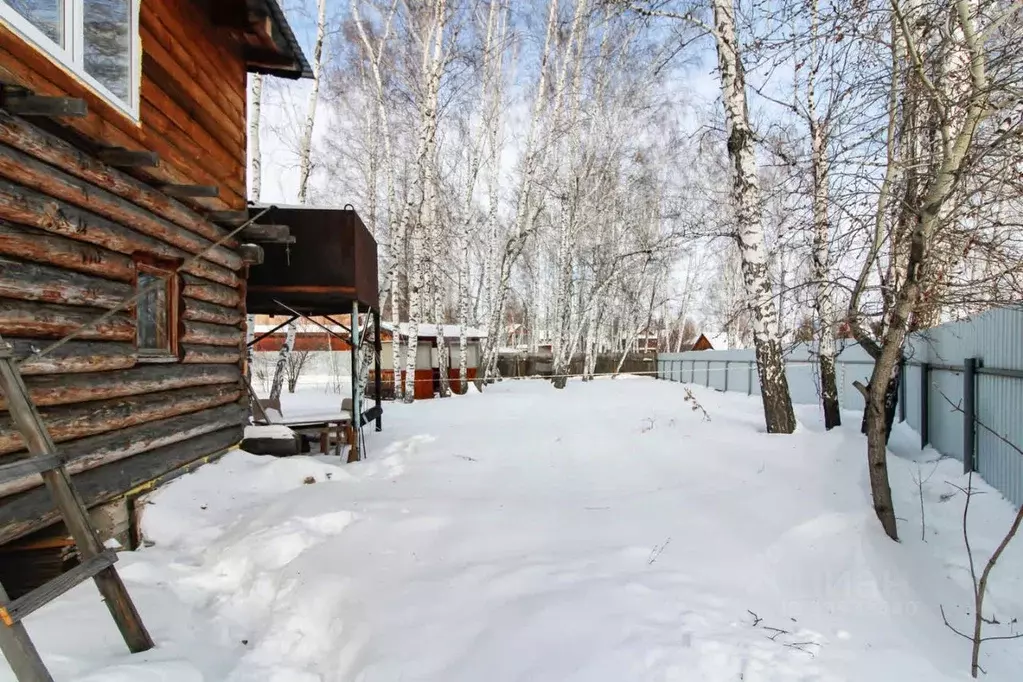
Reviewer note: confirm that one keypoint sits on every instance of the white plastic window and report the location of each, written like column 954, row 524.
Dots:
column 97, row 40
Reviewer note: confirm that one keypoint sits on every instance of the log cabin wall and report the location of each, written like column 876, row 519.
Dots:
column 72, row 233
column 192, row 108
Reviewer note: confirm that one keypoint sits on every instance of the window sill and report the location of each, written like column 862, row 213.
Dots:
column 157, row 358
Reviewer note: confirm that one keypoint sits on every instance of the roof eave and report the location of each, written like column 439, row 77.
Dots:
column 302, row 68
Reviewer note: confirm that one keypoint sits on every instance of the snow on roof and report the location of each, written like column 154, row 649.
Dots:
column 427, row 329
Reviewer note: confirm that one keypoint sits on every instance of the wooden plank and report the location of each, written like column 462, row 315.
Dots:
column 233, row 218
column 95, row 451
column 127, row 158
column 21, row 654
column 109, row 125
column 202, row 311
column 50, row 181
column 71, row 509
column 29, row 319
column 265, row 233
column 70, row 422
column 51, row 107
column 29, row 139
column 194, row 287
column 31, row 282
column 73, row 357
column 31, row 510
column 39, row 246
column 212, row 334
column 198, row 354
column 26, row 206
column 31, row 466
column 56, row 389
column 19, row 609
column 180, row 191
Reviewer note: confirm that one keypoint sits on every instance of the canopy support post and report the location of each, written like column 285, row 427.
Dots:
column 354, row 454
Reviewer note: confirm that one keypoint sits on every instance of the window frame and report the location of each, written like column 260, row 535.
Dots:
column 166, row 270
column 71, row 55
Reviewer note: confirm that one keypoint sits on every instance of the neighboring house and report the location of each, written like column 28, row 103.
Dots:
column 646, row 341
column 123, row 140
column 702, row 343
column 427, row 378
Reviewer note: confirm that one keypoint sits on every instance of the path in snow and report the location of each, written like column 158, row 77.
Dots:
column 603, row 532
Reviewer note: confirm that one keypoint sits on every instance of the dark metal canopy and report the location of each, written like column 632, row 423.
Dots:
column 331, row 264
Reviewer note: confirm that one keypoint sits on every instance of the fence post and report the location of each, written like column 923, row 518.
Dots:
column 902, row 390
column 726, row 375
column 969, row 414
column 749, row 378
column 925, row 372
column 706, row 376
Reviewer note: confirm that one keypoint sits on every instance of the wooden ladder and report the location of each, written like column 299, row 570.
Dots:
column 97, row 562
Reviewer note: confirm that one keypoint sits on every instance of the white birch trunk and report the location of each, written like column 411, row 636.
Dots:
column 523, row 214
column 255, row 150
column 306, row 143
column 282, row 362
column 396, row 224
column 821, row 258
column 433, row 62
column 749, row 229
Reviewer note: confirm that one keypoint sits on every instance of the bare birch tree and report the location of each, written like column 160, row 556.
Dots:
column 746, row 201
column 424, row 184
column 305, row 161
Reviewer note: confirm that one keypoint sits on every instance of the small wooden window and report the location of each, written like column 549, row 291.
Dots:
column 156, row 312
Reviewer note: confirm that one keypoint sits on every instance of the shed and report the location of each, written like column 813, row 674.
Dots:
column 427, row 379
column 122, row 176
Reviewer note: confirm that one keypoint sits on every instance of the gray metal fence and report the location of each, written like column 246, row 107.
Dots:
column 934, row 381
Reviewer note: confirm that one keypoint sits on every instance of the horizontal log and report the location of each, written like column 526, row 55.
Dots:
column 194, row 354
column 29, row 319
column 94, row 451
column 212, row 334
column 36, row 245
column 53, row 182
column 128, row 158
column 56, row 389
column 31, row 282
column 208, row 191
column 33, row 105
column 70, row 422
column 33, row 509
column 74, row 356
column 194, row 287
column 167, row 81
column 203, row 311
column 24, row 205
column 203, row 64
column 53, row 150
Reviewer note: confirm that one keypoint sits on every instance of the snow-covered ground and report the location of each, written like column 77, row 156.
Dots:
column 603, row 532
